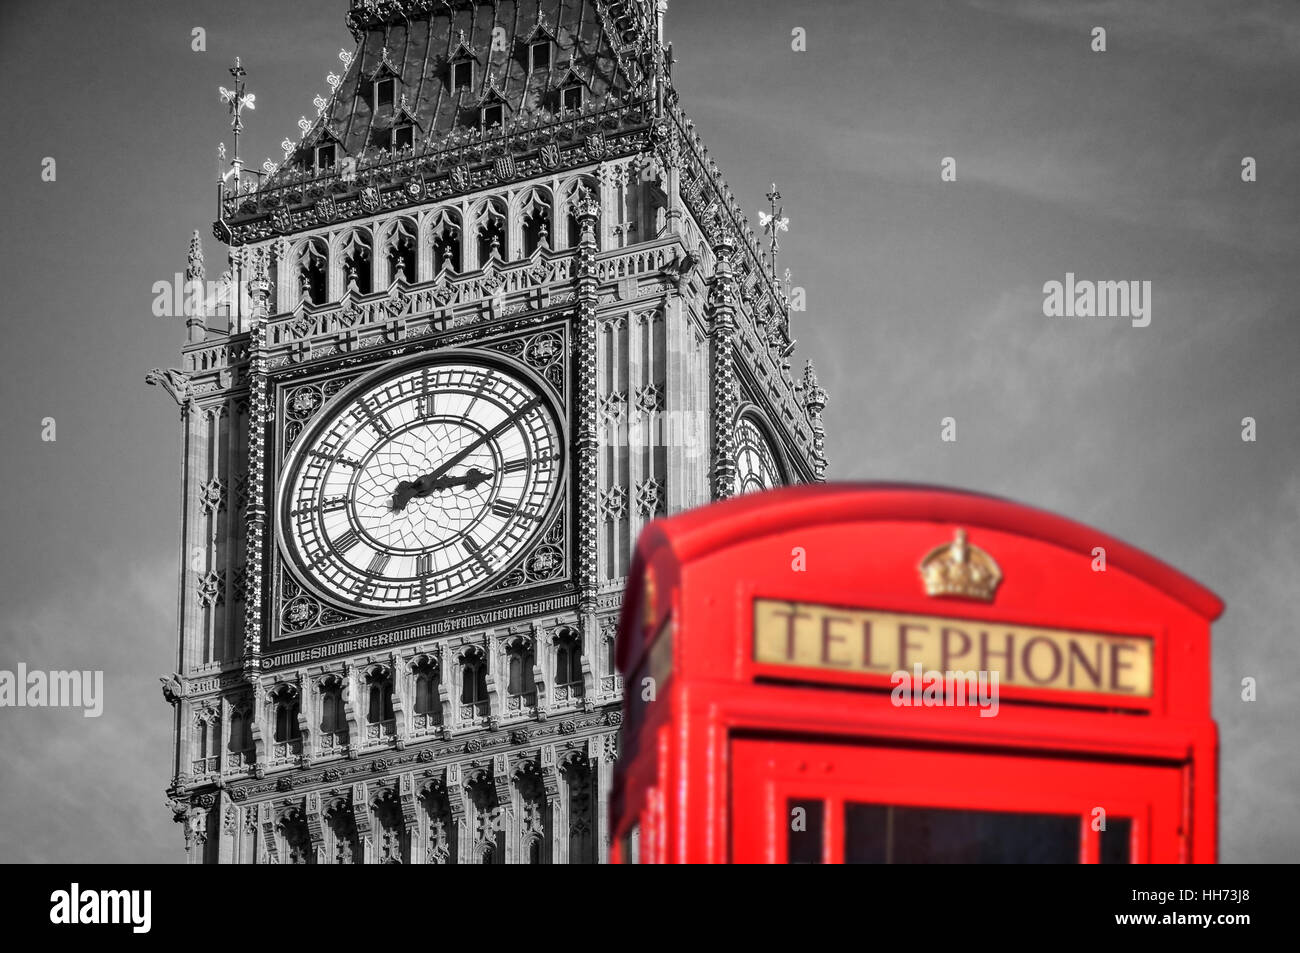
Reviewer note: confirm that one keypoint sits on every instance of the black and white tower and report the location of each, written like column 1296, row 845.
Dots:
column 497, row 309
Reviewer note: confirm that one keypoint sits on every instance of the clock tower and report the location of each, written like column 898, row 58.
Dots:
column 494, row 311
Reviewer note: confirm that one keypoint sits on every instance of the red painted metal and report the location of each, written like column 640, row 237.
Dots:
column 709, row 763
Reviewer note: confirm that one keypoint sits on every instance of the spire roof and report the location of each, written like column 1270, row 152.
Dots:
column 417, row 41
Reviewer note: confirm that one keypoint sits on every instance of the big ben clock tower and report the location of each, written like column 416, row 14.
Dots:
column 496, row 310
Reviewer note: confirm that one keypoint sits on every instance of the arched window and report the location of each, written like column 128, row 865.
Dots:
column 568, row 661
column 390, row 844
column 313, row 271
column 426, row 693
column 519, row 661
column 473, row 685
column 535, row 850
column 536, row 218
column 203, row 739
column 611, row 663
column 446, row 241
column 491, row 232
column 577, row 777
column 331, row 710
column 356, row 262
column 285, row 712
column 427, row 706
column 341, row 842
column 295, row 841
column 399, row 249
column 236, row 727
column 380, row 699
column 241, row 735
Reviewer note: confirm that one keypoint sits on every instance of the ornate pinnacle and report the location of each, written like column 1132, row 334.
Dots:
column 195, row 292
column 586, row 204
column 259, row 285
column 194, row 260
column 814, row 395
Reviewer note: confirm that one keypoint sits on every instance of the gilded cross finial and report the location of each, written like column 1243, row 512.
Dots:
column 238, row 100
column 773, row 223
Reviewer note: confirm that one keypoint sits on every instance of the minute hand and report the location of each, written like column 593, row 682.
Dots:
column 504, row 425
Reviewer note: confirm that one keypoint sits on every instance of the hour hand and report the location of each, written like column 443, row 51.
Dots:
column 429, row 484
column 402, row 495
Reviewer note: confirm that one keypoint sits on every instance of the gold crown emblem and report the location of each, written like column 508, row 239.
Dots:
column 960, row 569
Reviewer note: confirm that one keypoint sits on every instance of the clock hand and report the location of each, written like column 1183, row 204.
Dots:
column 423, row 486
column 499, row 428
column 428, row 485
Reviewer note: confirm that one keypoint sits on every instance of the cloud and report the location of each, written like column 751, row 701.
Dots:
column 1263, row 32
column 90, row 790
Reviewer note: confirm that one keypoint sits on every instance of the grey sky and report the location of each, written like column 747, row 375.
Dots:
column 925, row 301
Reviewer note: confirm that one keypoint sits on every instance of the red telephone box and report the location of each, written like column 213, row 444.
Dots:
column 893, row 674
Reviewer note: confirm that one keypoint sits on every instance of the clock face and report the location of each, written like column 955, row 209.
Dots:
column 422, row 487
column 756, row 467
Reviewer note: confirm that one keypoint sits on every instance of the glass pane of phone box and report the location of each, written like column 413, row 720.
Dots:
column 887, row 834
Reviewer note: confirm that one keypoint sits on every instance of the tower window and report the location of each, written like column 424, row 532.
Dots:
column 462, row 75
column 539, row 55
column 331, row 719
column 385, row 93
column 571, row 97
column 325, row 157
column 403, row 136
column 286, row 721
column 493, row 115
column 568, row 663
column 380, row 708
column 473, row 688
column 519, row 667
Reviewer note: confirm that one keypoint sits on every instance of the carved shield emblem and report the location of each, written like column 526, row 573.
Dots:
column 596, row 146
column 505, row 167
column 370, row 198
column 460, row 178
column 281, row 220
column 326, row 209
column 550, row 156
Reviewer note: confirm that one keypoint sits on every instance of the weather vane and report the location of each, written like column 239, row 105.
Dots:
column 774, row 223
column 238, row 101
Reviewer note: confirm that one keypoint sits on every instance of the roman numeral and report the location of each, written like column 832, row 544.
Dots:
column 424, row 565
column 479, row 386
column 476, row 551
column 503, row 509
column 346, row 541
column 377, row 563
column 347, row 462
column 375, row 419
column 514, row 466
column 325, row 506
